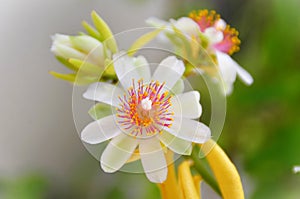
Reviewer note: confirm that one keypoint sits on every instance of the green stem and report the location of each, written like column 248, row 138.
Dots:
column 207, row 177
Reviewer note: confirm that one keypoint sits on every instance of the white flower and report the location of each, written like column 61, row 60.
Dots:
column 221, row 38
column 78, row 47
column 147, row 116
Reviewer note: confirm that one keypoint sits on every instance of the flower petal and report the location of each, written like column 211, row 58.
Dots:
column 169, row 71
column 187, row 105
column 67, row 52
column 244, row 75
column 187, row 25
column 117, row 152
column 227, row 70
column 104, row 92
column 178, row 87
column 153, row 160
column 100, row 130
column 177, row 145
column 189, row 130
column 129, row 68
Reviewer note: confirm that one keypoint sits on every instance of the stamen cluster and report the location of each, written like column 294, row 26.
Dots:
column 206, row 19
column 144, row 110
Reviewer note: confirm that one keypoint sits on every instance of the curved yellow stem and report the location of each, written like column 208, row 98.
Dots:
column 170, row 189
column 186, row 180
column 224, row 170
column 197, row 179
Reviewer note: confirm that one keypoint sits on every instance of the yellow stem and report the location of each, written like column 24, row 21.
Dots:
column 224, row 170
column 197, row 179
column 187, row 181
column 169, row 188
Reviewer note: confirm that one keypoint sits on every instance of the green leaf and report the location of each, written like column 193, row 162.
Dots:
column 91, row 31
column 143, row 40
column 105, row 32
column 100, row 110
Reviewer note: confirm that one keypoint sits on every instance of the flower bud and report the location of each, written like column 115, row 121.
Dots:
column 78, row 47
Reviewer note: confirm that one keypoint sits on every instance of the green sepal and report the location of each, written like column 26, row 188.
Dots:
column 184, row 40
column 143, row 40
column 82, row 34
column 109, row 67
column 86, row 67
column 67, row 77
column 73, row 78
column 204, row 40
column 105, row 32
column 92, row 31
column 66, row 63
column 100, row 110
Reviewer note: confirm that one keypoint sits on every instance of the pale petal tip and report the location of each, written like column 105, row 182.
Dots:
column 204, row 136
column 106, row 168
column 86, row 137
column 157, row 177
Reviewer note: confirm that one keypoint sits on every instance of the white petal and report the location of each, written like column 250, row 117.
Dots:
column 153, row 160
column 104, row 92
column 230, row 68
column 61, row 39
column 67, row 52
column 100, row 130
column 91, row 46
column 189, row 130
column 187, row 105
column 117, row 152
column 178, row 87
column 84, row 43
column 214, row 36
column 169, row 71
column 244, row 75
column 186, row 25
column 176, row 144
column 227, row 69
column 129, row 68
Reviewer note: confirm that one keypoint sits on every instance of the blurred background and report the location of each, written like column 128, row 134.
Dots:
column 41, row 155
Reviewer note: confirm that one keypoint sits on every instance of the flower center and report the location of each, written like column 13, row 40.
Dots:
column 144, row 109
column 206, row 19
column 146, row 104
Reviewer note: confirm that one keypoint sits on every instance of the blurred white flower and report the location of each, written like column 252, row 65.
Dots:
column 148, row 116
column 222, row 40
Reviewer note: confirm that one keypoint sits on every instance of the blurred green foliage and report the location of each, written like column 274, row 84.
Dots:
column 25, row 187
